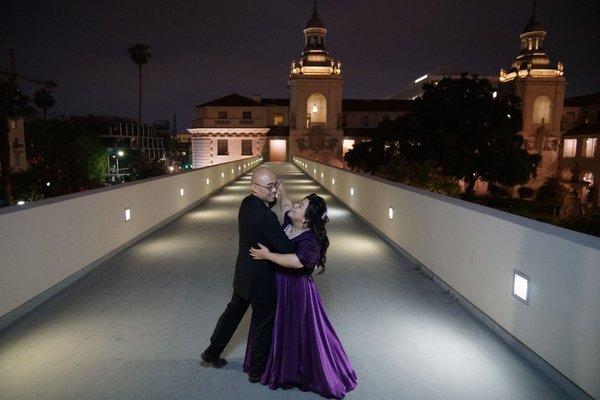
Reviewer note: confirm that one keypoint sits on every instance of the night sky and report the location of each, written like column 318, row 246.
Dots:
column 203, row 50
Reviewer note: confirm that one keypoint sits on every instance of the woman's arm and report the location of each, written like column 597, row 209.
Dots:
column 285, row 203
column 285, row 260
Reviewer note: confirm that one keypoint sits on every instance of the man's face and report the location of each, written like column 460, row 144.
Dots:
column 266, row 188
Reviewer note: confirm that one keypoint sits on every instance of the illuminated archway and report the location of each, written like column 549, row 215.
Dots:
column 316, row 110
column 541, row 110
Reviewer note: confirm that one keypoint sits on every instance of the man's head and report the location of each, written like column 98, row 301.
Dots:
column 264, row 184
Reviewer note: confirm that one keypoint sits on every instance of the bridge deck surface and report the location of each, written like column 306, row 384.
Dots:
column 134, row 327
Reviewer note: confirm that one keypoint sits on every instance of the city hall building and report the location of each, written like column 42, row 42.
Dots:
column 317, row 123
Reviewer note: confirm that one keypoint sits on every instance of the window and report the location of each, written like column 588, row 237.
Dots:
column 590, row 147
column 222, row 149
column 278, row 119
column 247, row 115
column 222, row 114
column 569, row 147
column 348, row 145
column 246, row 147
column 364, row 121
column 570, row 118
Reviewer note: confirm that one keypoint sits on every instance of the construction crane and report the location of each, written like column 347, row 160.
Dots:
column 12, row 72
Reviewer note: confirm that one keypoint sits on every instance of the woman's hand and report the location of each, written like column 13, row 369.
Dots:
column 262, row 253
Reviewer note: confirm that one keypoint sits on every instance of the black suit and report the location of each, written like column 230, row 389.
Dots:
column 253, row 283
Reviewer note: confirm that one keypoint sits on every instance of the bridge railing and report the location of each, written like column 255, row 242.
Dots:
column 490, row 260
column 47, row 245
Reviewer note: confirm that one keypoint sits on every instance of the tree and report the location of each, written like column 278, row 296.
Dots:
column 13, row 105
column 470, row 133
column 140, row 55
column 43, row 100
column 66, row 154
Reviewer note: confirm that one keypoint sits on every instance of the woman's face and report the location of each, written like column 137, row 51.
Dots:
column 298, row 211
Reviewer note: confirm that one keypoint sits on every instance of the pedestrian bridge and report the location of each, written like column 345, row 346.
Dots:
column 113, row 294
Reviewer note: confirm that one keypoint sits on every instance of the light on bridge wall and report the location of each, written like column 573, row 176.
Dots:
column 207, row 181
column 391, row 213
column 351, row 191
column 127, row 214
column 333, row 181
column 181, row 192
column 521, row 284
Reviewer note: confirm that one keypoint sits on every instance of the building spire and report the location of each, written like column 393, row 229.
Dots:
column 534, row 23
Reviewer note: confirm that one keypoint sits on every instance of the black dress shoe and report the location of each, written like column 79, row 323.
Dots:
column 254, row 378
column 215, row 362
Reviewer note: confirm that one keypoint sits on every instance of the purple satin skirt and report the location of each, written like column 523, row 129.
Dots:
column 305, row 350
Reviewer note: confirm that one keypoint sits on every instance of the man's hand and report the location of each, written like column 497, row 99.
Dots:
column 262, row 253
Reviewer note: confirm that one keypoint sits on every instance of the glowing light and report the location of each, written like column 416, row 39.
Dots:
column 314, row 170
column 521, row 286
column 239, row 168
column 127, row 214
column 314, row 108
column 321, row 175
column 421, row 78
column 171, row 168
column 232, row 170
column 351, row 191
column 181, row 192
column 391, row 213
column 120, row 153
column 494, row 94
column 20, row 202
column 207, row 181
column 48, row 184
column 333, row 181
column 222, row 175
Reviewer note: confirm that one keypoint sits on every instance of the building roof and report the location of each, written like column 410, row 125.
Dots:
column 534, row 23
column 232, row 100
column 377, row 105
column 591, row 99
column 315, row 20
column 276, row 102
column 586, row 129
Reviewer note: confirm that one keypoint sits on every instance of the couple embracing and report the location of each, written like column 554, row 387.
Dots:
column 291, row 342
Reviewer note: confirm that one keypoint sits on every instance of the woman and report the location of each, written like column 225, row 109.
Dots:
column 305, row 350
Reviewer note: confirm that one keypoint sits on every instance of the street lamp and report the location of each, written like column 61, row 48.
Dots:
column 120, row 153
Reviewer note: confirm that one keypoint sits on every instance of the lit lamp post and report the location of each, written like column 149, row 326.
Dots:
column 120, row 154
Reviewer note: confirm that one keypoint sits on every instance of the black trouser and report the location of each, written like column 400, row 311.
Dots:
column 263, row 316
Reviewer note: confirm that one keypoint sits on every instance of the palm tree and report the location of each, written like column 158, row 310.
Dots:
column 140, row 54
column 43, row 100
column 13, row 105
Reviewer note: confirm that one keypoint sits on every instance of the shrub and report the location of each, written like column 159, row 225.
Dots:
column 551, row 192
column 526, row 192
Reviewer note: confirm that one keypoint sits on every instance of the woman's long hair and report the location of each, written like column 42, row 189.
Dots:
column 316, row 218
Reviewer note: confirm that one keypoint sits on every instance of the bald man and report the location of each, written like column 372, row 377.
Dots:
column 254, row 280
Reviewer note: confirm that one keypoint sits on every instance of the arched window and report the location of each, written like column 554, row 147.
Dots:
column 316, row 110
column 541, row 110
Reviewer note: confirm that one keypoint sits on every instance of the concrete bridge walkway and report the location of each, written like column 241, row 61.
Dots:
column 135, row 326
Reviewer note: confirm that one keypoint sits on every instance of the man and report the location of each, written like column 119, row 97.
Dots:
column 254, row 280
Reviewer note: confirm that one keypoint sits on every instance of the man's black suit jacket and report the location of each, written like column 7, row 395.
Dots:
column 254, row 280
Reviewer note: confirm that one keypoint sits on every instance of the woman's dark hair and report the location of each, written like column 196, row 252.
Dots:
column 316, row 218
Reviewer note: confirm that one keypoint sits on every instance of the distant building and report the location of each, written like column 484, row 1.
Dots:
column 16, row 139
column 541, row 88
column 415, row 89
column 314, row 122
column 581, row 127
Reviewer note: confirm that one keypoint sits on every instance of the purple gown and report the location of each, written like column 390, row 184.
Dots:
column 305, row 350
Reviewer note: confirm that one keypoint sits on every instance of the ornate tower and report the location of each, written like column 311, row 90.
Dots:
column 542, row 92
column 315, row 87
